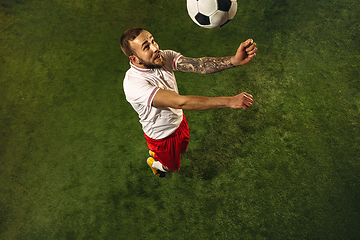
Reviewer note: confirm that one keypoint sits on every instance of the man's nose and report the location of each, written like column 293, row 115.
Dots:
column 154, row 47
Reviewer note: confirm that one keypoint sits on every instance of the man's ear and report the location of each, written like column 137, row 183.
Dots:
column 132, row 58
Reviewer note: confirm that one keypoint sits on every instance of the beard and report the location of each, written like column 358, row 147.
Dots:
column 154, row 63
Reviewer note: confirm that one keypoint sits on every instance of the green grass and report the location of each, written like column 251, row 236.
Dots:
column 73, row 155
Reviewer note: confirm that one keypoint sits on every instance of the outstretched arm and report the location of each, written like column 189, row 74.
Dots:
column 205, row 65
column 167, row 98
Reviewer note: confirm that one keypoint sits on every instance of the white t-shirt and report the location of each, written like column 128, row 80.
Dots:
column 141, row 85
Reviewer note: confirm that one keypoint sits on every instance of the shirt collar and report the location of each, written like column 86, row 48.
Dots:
column 139, row 69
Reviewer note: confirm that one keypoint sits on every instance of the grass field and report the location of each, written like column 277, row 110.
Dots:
column 73, row 155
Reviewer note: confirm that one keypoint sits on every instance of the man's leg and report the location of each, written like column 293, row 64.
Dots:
column 166, row 152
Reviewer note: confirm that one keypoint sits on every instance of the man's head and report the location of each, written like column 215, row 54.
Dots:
column 139, row 45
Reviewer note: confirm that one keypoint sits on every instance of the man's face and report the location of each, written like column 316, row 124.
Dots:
column 146, row 51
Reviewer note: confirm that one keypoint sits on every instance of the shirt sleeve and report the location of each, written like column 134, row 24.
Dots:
column 172, row 57
column 140, row 92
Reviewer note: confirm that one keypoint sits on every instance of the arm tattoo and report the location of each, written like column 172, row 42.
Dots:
column 204, row 65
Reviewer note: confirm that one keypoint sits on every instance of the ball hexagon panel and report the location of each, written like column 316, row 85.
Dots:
column 219, row 18
column 233, row 9
column 207, row 7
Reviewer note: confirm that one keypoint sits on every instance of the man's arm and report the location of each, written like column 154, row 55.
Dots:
column 246, row 51
column 167, row 98
column 204, row 65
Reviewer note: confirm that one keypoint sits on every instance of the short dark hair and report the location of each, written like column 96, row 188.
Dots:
column 128, row 36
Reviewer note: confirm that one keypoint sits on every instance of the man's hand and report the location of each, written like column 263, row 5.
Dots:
column 242, row 100
column 245, row 53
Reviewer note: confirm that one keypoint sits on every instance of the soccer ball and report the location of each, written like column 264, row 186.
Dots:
column 211, row 13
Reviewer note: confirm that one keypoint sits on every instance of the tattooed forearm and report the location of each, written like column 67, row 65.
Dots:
column 204, row 65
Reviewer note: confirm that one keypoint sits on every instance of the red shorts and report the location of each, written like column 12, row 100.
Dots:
column 167, row 150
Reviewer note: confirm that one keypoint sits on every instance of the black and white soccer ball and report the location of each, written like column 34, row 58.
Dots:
column 211, row 13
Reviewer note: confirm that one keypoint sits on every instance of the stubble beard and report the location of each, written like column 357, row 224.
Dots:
column 153, row 65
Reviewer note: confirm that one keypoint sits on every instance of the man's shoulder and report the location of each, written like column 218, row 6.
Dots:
column 170, row 53
column 171, row 58
column 133, row 76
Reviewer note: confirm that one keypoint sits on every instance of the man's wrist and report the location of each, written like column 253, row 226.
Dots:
column 234, row 62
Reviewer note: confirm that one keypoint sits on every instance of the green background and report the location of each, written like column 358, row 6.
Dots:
column 73, row 155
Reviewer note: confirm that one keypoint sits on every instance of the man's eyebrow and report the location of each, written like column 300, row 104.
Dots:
column 146, row 41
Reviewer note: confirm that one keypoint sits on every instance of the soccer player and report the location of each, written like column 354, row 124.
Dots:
column 150, row 87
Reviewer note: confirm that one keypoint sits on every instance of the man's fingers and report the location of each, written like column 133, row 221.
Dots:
column 248, row 96
column 248, row 103
column 249, row 41
column 242, row 100
column 252, row 52
column 248, row 100
column 250, row 46
column 251, row 49
column 246, row 44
